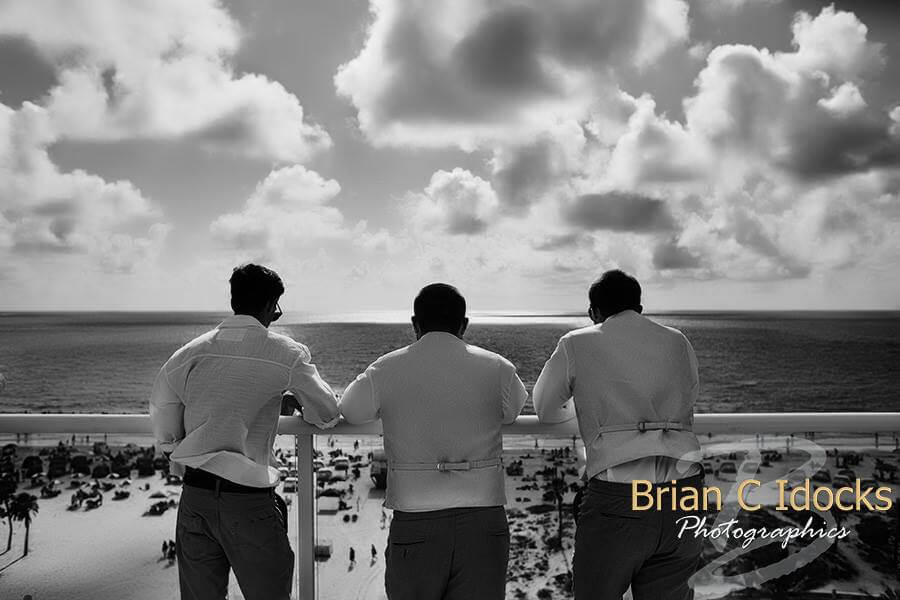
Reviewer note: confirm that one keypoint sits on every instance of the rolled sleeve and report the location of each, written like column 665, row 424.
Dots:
column 552, row 394
column 316, row 397
column 359, row 403
column 694, row 375
column 514, row 394
column 166, row 414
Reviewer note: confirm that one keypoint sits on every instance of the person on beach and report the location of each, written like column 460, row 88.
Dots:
column 442, row 403
column 215, row 407
column 634, row 383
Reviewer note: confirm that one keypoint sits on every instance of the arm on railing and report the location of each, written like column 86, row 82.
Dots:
column 704, row 423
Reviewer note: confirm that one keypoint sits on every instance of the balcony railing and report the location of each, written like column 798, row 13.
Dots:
column 739, row 423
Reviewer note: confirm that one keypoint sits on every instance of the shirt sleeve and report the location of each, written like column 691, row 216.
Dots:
column 552, row 395
column 166, row 413
column 359, row 404
column 694, row 376
column 514, row 395
column 316, row 397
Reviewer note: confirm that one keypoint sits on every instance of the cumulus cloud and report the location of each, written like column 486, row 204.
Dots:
column 767, row 141
column 44, row 211
column 290, row 208
column 779, row 170
column 451, row 73
column 159, row 70
column 802, row 112
column 736, row 190
column 455, row 202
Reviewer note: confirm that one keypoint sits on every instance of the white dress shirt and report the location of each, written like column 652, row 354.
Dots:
column 439, row 400
column 619, row 362
column 216, row 402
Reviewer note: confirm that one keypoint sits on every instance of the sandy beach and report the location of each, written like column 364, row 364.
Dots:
column 114, row 551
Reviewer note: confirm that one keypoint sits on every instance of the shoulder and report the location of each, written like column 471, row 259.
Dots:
column 390, row 359
column 668, row 331
column 291, row 348
column 486, row 355
column 579, row 334
column 670, row 336
column 195, row 346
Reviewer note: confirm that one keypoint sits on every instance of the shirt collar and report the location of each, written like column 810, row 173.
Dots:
column 237, row 321
column 626, row 314
column 440, row 337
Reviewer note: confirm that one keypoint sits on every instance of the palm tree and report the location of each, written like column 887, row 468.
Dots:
column 5, row 515
column 21, row 508
column 559, row 487
column 7, row 491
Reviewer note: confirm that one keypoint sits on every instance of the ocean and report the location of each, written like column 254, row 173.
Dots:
column 749, row 362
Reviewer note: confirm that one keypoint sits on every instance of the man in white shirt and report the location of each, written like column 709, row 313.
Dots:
column 442, row 403
column 215, row 407
column 634, row 384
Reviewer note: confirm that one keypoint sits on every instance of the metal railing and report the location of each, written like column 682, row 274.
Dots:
column 718, row 423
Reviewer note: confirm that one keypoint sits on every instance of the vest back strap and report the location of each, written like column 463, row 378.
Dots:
column 645, row 426
column 446, row 466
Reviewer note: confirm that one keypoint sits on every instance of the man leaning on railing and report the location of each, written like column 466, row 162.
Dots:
column 215, row 408
column 634, row 383
column 442, row 403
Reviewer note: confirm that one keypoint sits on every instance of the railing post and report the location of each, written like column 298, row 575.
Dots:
column 306, row 518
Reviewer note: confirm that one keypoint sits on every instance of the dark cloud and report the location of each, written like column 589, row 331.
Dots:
column 841, row 221
column 558, row 242
column 525, row 174
column 669, row 255
column 24, row 73
column 463, row 224
column 824, row 145
column 113, row 95
column 620, row 211
column 229, row 129
column 596, row 33
column 501, row 55
column 45, row 246
column 56, row 208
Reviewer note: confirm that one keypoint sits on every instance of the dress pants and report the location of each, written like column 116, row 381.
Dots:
column 616, row 546
column 451, row 554
column 221, row 530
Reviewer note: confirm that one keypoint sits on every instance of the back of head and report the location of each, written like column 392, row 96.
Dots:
column 614, row 292
column 440, row 307
column 253, row 287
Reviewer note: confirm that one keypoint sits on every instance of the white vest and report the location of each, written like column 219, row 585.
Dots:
column 626, row 371
column 441, row 403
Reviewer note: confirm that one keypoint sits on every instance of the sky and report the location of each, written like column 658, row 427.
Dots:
column 731, row 154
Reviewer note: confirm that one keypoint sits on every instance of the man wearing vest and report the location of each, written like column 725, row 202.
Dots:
column 634, row 384
column 442, row 403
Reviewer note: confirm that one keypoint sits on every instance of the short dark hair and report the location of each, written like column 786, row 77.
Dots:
column 440, row 307
column 253, row 287
column 614, row 292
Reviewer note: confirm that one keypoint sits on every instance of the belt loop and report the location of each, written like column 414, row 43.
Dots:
column 642, row 426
